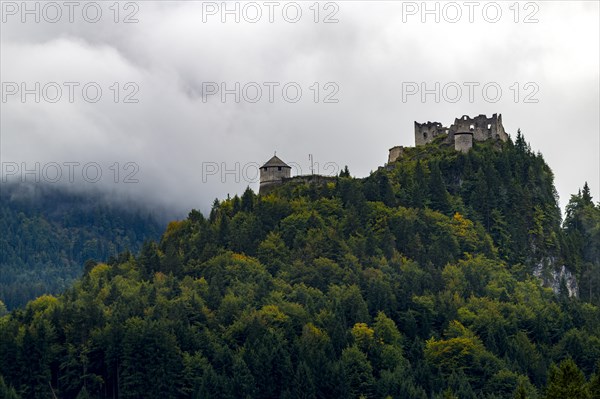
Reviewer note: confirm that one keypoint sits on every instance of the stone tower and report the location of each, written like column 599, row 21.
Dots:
column 272, row 173
column 463, row 139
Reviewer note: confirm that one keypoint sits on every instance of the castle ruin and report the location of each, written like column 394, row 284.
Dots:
column 462, row 133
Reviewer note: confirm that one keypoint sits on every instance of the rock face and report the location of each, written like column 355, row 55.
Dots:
column 553, row 277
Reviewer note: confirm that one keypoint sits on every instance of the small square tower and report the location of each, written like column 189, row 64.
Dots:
column 272, row 173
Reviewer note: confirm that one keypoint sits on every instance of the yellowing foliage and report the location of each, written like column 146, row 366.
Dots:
column 43, row 303
column 271, row 314
column 462, row 225
column 363, row 335
column 239, row 257
column 99, row 271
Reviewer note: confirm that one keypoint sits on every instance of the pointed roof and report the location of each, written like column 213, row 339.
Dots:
column 275, row 161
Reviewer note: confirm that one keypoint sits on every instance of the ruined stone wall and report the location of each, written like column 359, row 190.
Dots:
column 311, row 179
column 268, row 185
column 427, row 132
column 482, row 127
column 463, row 142
column 395, row 153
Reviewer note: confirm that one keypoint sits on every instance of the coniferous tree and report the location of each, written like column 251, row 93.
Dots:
column 419, row 186
column 585, row 195
column 520, row 392
column 566, row 381
column 438, row 195
column 7, row 392
column 247, row 204
column 594, row 384
column 345, row 172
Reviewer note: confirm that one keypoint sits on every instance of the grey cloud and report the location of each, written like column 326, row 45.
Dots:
column 171, row 133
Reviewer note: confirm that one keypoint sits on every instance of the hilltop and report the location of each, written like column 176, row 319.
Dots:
column 415, row 282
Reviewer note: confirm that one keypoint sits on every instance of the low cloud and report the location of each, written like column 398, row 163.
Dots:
column 159, row 115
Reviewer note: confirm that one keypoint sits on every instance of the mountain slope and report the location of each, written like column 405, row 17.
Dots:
column 49, row 233
column 415, row 282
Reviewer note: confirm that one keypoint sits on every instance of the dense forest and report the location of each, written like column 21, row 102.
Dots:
column 415, row 282
column 48, row 233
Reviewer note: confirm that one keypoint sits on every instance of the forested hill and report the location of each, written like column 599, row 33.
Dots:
column 48, row 233
column 416, row 282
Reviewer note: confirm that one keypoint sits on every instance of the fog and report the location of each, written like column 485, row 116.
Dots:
column 174, row 103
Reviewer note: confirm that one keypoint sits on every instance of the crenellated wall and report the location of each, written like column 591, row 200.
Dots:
column 480, row 128
column 427, row 132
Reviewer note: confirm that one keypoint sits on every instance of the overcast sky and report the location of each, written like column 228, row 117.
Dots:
column 186, row 145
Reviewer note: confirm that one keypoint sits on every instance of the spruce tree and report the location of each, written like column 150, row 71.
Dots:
column 566, row 381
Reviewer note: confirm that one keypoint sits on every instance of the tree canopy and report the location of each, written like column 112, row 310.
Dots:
column 414, row 282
